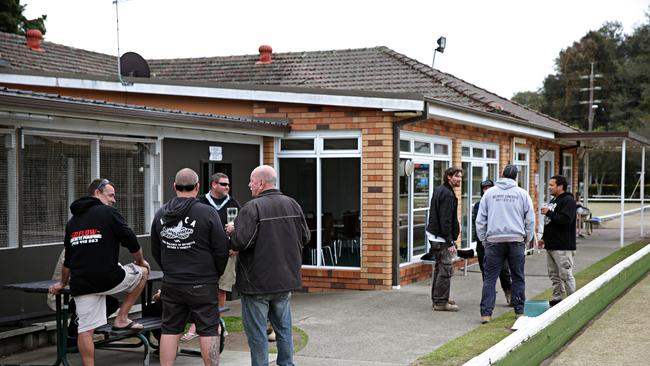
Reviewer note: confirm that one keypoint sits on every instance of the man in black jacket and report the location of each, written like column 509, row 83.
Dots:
column 92, row 245
column 559, row 238
column 189, row 244
column 269, row 234
column 442, row 231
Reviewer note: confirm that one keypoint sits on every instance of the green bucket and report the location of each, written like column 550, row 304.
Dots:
column 533, row 308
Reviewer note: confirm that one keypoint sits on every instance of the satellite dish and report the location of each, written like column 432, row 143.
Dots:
column 133, row 65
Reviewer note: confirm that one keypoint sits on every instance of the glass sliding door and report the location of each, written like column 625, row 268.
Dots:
column 423, row 162
column 322, row 172
column 341, row 208
column 299, row 182
column 404, row 208
column 480, row 162
column 421, row 194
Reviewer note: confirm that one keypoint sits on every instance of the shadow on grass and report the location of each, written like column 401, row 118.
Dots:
column 471, row 344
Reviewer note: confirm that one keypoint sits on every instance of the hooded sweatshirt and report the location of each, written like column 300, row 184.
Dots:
column 505, row 214
column 188, row 242
column 92, row 246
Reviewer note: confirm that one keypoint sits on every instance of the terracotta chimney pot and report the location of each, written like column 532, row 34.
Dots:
column 34, row 39
column 265, row 55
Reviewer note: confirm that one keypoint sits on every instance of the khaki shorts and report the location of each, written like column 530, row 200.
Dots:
column 91, row 308
column 227, row 280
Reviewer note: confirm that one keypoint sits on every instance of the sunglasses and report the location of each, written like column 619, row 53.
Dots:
column 185, row 187
column 103, row 184
column 223, row 184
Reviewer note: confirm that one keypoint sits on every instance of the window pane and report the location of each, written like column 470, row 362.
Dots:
column 405, row 145
column 466, row 202
column 297, row 144
column 298, row 180
column 404, row 187
column 439, row 168
column 58, row 167
column 522, row 156
column 7, row 160
column 477, row 152
column 340, row 144
column 491, row 154
column 419, row 232
column 420, row 185
column 341, row 203
column 422, row 147
column 123, row 163
column 465, row 151
column 440, row 149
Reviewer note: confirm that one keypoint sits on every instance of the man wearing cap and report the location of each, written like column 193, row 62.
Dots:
column 504, row 276
column 505, row 223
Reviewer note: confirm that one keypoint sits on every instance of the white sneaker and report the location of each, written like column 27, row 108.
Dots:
column 271, row 336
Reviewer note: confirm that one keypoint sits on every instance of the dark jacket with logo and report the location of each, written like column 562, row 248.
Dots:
column 443, row 217
column 92, row 246
column 560, row 232
column 270, row 232
column 188, row 242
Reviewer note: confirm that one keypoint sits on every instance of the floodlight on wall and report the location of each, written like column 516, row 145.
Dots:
column 442, row 43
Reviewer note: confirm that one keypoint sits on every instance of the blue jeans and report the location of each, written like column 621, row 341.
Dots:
column 256, row 309
column 495, row 253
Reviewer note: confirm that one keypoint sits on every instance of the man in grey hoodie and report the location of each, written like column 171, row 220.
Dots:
column 505, row 223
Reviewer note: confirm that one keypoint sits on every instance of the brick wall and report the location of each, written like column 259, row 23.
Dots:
column 377, row 177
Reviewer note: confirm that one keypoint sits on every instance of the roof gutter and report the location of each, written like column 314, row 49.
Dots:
column 73, row 109
column 468, row 116
column 390, row 101
column 397, row 127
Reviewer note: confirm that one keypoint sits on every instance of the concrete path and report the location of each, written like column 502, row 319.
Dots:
column 378, row 328
column 619, row 336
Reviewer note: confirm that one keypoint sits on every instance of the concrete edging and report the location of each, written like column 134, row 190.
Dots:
column 551, row 330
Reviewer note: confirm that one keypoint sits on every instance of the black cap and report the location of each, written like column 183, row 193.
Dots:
column 510, row 171
column 487, row 183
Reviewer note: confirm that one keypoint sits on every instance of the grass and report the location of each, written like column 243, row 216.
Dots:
column 462, row 349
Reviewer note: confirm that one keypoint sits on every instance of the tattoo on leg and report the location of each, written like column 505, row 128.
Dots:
column 213, row 352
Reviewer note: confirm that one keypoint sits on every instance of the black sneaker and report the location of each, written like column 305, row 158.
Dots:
column 554, row 302
column 427, row 257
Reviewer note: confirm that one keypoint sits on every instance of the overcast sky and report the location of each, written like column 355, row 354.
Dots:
column 504, row 46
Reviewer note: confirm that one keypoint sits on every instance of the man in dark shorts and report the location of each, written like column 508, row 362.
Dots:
column 189, row 244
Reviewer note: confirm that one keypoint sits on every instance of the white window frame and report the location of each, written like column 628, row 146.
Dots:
column 526, row 163
column 317, row 154
column 567, row 170
column 150, row 205
column 483, row 162
column 426, row 159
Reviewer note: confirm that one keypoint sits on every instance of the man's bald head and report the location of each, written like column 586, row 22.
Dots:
column 262, row 178
column 186, row 183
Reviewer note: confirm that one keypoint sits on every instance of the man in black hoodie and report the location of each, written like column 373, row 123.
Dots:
column 559, row 238
column 189, row 244
column 92, row 244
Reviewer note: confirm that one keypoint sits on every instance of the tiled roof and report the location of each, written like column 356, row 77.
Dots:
column 377, row 69
column 242, row 121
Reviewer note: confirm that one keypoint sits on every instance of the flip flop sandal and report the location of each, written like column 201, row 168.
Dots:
column 188, row 336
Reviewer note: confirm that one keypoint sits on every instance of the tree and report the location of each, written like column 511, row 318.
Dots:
column 13, row 21
column 530, row 99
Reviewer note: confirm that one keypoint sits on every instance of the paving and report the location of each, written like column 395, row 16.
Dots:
column 392, row 327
